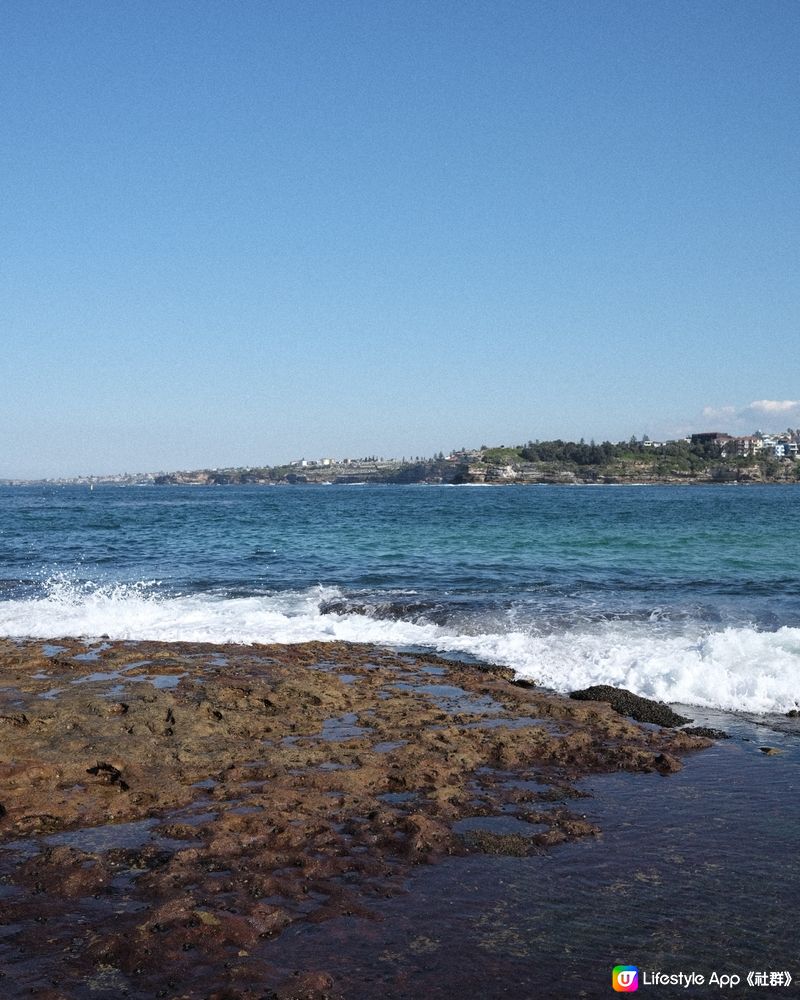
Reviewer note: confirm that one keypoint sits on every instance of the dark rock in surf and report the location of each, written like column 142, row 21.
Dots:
column 633, row 705
column 394, row 611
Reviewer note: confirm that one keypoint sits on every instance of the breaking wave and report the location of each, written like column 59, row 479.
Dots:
column 737, row 668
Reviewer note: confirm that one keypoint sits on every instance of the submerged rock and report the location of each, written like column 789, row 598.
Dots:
column 510, row 844
column 665, row 763
column 633, row 705
column 707, row 732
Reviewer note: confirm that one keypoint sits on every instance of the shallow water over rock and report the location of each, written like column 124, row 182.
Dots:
column 698, row 871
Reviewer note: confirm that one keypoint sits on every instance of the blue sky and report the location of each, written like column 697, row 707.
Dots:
column 244, row 232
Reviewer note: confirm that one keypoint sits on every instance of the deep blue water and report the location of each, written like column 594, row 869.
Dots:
column 691, row 593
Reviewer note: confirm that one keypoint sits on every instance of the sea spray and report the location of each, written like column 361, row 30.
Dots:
column 733, row 668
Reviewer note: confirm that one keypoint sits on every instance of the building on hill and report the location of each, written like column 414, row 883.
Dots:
column 747, row 445
column 711, row 437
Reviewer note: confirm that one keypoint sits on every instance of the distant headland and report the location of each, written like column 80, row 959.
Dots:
column 710, row 457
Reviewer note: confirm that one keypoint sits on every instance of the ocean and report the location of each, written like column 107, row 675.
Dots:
column 686, row 594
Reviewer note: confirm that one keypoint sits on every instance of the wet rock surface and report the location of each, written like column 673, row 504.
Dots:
column 632, row 705
column 167, row 810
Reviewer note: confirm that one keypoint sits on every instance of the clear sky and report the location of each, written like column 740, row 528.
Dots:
column 243, row 232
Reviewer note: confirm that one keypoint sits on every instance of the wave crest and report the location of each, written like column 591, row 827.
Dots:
column 735, row 668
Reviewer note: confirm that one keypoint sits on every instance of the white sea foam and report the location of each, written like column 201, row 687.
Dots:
column 737, row 668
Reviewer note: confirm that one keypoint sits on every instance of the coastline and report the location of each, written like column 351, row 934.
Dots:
column 193, row 803
column 688, row 481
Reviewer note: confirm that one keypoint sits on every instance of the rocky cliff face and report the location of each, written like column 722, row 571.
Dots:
column 619, row 474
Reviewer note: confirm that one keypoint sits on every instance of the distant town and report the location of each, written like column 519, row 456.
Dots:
column 711, row 456
column 785, row 445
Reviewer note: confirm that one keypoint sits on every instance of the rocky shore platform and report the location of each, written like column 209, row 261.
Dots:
column 170, row 813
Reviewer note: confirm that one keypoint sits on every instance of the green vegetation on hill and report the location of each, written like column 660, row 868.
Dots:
column 676, row 459
column 502, row 455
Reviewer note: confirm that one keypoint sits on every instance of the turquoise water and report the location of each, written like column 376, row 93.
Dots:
column 687, row 593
